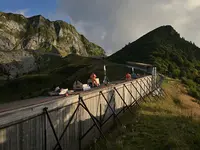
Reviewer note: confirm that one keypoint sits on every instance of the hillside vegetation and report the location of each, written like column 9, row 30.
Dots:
column 171, row 54
column 55, row 71
column 170, row 123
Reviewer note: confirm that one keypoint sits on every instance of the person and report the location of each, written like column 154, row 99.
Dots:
column 93, row 78
column 134, row 76
column 128, row 76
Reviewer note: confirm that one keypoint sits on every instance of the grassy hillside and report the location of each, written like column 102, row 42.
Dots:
column 171, row 54
column 171, row 123
column 56, row 71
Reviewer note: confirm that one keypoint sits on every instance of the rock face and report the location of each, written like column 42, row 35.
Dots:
column 16, row 63
column 19, row 34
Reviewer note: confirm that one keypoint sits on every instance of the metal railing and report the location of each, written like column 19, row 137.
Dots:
column 72, row 125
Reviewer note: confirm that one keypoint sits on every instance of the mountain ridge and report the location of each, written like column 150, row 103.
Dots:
column 36, row 34
column 163, row 35
column 169, row 52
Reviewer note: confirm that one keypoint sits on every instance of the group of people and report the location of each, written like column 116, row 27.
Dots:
column 132, row 76
column 93, row 81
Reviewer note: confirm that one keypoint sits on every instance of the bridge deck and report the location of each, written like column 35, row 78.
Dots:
column 42, row 99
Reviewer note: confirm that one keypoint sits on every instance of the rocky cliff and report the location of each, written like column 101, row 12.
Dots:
column 19, row 36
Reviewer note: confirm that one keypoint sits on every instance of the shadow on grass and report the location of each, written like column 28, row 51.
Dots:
column 154, row 132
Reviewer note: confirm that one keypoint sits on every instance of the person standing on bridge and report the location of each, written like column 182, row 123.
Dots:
column 134, row 76
column 128, row 76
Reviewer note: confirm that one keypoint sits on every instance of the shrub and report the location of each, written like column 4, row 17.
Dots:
column 175, row 73
column 177, row 101
column 193, row 91
column 188, row 82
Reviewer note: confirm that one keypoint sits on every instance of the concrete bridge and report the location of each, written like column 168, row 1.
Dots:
column 69, row 122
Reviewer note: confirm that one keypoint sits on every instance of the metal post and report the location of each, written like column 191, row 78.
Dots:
column 85, row 107
column 130, row 94
column 147, row 88
column 107, row 107
column 110, row 107
column 123, row 100
column 149, row 81
column 100, row 118
column 151, row 91
column 45, row 132
column 105, row 81
column 138, row 92
column 144, row 90
column 52, row 127
column 67, row 126
column 92, row 117
column 79, row 125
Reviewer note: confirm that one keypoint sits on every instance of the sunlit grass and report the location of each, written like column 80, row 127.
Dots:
column 163, row 124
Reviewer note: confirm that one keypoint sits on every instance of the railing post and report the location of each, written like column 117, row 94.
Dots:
column 79, row 128
column 45, row 131
column 154, row 78
column 100, row 118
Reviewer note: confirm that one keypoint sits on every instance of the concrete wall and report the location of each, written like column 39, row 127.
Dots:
column 23, row 129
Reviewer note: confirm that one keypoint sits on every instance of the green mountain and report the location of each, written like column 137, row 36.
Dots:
column 21, row 39
column 170, row 53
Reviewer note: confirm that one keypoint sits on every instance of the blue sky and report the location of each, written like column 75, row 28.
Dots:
column 47, row 8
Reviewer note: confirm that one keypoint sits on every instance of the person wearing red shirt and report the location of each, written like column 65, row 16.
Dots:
column 128, row 76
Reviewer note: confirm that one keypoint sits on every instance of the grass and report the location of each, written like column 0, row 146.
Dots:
column 165, row 124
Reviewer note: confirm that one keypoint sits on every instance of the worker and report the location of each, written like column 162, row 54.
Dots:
column 134, row 76
column 94, row 81
column 128, row 76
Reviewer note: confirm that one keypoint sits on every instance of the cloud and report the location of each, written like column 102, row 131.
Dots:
column 114, row 23
column 22, row 12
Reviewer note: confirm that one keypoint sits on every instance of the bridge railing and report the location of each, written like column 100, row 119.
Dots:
column 71, row 122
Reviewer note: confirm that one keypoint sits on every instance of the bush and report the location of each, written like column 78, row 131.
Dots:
column 188, row 82
column 193, row 91
column 175, row 73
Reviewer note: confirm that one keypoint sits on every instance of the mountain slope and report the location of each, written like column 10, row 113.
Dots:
column 171, row 54
column 38, row 33
column 22, row 38
column 162, row 47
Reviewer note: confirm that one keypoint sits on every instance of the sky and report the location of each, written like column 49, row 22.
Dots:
column 114, row 23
